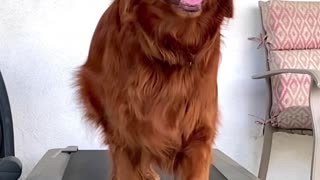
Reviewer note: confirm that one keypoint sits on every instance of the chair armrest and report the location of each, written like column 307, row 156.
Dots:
column 10, row 168
column 314, row 104
column 315, row 74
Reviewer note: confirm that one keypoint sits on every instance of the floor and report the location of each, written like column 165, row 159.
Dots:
column 290, row 157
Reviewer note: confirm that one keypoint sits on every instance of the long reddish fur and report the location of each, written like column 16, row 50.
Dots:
column 150, row 84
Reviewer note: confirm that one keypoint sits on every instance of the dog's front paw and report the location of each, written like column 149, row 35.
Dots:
column 151, row 175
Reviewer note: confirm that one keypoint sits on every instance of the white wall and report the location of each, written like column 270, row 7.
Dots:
column 43, row 42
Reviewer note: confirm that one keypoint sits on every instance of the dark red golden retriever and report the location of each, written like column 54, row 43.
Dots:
column 150, row 84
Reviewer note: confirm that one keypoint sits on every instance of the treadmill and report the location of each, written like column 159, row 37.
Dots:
column 73, row 164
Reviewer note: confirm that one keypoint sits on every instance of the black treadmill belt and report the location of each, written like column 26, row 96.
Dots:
column 95, row 165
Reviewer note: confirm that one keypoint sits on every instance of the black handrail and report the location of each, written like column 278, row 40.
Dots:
column 7, row 143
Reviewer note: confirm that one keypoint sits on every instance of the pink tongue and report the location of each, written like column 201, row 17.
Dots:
column 191, row 2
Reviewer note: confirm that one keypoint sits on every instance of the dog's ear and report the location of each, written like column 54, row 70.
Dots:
column 226, row 7
column 126, row 6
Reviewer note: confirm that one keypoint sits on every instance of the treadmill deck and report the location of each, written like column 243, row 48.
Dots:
column 73, row 164
column 95, row 164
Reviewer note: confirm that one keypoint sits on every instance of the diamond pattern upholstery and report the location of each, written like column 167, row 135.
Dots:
column 293, row 42
column 292, row 25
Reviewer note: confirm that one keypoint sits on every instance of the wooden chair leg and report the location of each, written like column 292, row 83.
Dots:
column 315, row 109
column 266, row 152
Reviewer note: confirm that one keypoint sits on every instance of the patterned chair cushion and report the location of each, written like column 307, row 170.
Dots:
column 292, row 24
column 292, row 90
column 298, row 117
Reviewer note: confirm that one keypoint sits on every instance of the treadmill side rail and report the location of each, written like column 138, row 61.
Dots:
column 53, row 164
column 231, row 169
